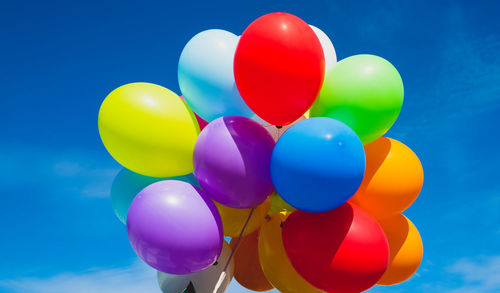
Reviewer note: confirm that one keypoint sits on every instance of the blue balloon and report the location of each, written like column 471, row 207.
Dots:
column 206, row 77
column 318, row 164
column 128, row 184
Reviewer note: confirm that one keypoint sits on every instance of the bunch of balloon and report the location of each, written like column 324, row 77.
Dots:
column 277, row 145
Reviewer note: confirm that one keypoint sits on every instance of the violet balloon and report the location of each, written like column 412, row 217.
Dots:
column 231, row 159
column 174, row 227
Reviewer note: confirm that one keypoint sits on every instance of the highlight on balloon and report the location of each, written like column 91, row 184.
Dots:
column 269, row 167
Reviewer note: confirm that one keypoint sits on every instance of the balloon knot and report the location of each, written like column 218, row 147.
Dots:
column 281, row 224
column 216, row 263
column 279, row 127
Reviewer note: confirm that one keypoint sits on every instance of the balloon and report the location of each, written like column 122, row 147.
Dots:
column 393, row 178
column 206, row 76
column 247, row 269
column 279, row 67
column 231, row 161
column 278, row 205
column 174, row 227
column 233, row 220
column 274, row 261
column 318, row 164
column 127, row 185
column 405, row 249
column 328, row 49
column 204, row 281
column 202, row 123
column 275, row 131
column 343, row 250
column 363, row 91
column 148, row 130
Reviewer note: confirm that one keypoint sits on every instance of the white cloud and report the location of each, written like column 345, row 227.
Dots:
column 67, row 168
column 71, row 172
column 137, row 278
column 478, row 275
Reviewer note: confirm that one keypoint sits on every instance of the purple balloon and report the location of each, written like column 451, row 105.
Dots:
column 175, row 227
column 232, row 161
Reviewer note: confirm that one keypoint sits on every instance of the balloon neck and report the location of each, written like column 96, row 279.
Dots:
column 190, row 288
column 268, row 218
column 216, row 263
column 279, row 127
column 281, row 224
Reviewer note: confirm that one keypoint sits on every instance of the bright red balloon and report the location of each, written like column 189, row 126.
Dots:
column 342, row 250
column 279, row 67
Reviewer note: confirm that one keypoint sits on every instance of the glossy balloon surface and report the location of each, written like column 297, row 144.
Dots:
column 317, row 164
column 174, row 227
column 279, row 67
column 148, row 129
column 231, row 161
column 405, row 249
column 393, row 179
column 343, row 250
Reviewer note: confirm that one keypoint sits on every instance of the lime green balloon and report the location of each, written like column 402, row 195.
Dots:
column 278, row 205
column 363, row 91
column 149, row 129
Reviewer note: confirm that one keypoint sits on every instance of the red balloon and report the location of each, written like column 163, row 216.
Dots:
column 279, row 67
column 342, row 250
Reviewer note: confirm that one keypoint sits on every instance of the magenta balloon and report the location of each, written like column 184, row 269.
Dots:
column 232, row 159
column 175, row 227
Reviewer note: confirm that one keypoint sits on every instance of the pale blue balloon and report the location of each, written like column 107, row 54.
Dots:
column 128, row 184
column 206, row 75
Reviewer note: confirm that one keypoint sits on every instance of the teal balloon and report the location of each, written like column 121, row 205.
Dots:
column 206, row 76
column 128, row 184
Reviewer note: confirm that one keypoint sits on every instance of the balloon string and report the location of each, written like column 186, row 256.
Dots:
column 238, row 240
column 223, row 275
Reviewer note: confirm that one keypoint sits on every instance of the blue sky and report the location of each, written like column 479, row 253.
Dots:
column 59, row 59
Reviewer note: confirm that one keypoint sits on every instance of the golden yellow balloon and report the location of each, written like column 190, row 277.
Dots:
column 233, row 220
column 278, row 205
column 149, row 129
column 405, row 249
column 274, row 261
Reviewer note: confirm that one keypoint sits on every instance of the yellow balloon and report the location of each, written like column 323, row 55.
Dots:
column 405, row 249
column 274, row 261
column 149, row 129
column 278, row 205
column 233, row 220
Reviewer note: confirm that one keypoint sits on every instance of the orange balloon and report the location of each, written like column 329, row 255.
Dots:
column 233, row 219
column 247, row 269
column 405, row 249
column 393, row 178
column 275, row 263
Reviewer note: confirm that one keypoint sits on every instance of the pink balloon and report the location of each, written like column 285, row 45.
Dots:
column 276, row 132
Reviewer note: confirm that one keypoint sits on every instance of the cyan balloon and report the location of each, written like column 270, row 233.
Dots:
column 206, row 77
column 128, row 184
column 317, row 164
